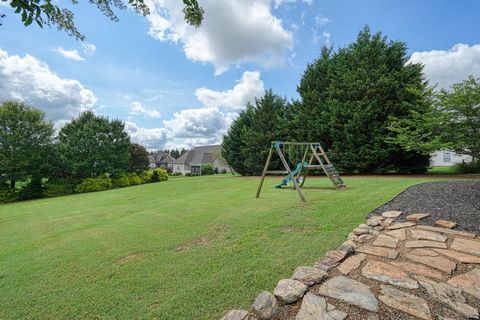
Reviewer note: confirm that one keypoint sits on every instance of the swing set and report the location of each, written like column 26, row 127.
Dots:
column 295, row 151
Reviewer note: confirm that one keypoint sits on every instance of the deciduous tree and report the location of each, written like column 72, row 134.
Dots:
column 47, row 12
column 93, row 145
column 26, row 138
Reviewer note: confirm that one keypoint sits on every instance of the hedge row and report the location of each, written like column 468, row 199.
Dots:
column 59, row 187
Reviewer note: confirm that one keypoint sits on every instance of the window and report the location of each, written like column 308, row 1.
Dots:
column 447, row 156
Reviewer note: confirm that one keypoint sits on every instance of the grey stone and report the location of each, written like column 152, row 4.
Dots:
column 236, row 315
column 373, row 222
column 331, row 260
column 316, row 308
column 359, row 231
column 405, row 302
column 265, row 306
column 379, row 228
column 449, row 296
column 309, row 275
column 350, row 291
column 388, row 273
column 290, row 290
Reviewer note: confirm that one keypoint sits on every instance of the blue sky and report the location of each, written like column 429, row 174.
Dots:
column 175, row 86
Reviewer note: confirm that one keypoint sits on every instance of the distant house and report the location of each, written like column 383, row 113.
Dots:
column 163, row 159
column 192, row 160
column 444, row 158
column 152, row 164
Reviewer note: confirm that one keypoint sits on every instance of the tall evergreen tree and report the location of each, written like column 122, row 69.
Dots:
column 93, row 145
column 248, row 141
column 348, row 96
column 234, row 141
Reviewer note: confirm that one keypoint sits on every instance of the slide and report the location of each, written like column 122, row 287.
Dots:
column 288, row 178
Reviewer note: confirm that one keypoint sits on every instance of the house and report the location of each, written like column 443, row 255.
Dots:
column 192, row 160
column 163, row 159
column 152, row 164
column 444, row 158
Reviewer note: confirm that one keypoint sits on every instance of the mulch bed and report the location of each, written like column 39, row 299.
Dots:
column 457, row 201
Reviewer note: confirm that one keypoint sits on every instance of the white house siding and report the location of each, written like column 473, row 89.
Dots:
column 180, row 168
column 444, row 158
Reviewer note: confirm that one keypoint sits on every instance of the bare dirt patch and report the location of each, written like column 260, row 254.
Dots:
column 195, row 243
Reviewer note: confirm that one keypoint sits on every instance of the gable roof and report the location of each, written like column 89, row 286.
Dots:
column 199, row 155
column 162, row 157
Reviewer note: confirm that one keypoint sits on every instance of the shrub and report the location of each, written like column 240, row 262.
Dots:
column 59, row 187
column 206, row 169
column 472, row 167
column 159, row 175
column 7, row 194
column 215, row 170
column 121, row 180
column 145, row 176
column 94, row 184
column 224, row 171
column 33, row 190
column 134, row 179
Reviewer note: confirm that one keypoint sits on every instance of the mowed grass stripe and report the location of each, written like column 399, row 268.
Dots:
column 189, row 248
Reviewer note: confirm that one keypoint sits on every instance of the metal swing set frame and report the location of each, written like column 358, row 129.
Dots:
column 317, row 154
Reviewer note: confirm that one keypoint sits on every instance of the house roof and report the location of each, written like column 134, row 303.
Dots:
column 199, row 155
column 151, row 159
column 162, row 157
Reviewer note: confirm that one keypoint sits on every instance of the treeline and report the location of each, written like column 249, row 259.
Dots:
column 90, row 153
column 370, row 109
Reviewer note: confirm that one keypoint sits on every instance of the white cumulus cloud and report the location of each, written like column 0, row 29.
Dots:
column 31, row 80
column 446, row 67
column 138, row 109
column 233, row 32
column 249, row 87
column 69, row 54
column 197, row 123
column 154, row 138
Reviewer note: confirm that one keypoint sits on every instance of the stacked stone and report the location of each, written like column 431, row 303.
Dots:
column 381, row 268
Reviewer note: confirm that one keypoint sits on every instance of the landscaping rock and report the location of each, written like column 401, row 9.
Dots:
column 388, row 222
column 459, row 256
column 423, row 252
column 290, row 290
column 351, row 263
column 467, row 246
column 417, row 216
column 378, row 228
column 265, row 306
column 425, row 244
column 445, row 224
column 419, row 234
column 331, row 260
column 365, row 237
column 391, row 214
column 417, row 269
column 373, row 222
column 447, row 231
column 350, row 291
column 450, row 296
column 309, row 275
column 316, row 308
column 388, row 273
column 401, row 225
column 378, row 251
column 405, row 302
column 236, row 315
column 359, row 231
column 469, row 282
column 439, row 263
column 385, row 241
column 399, row 234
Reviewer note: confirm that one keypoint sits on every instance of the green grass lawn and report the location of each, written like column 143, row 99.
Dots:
column 444, row 170
column 189, row 248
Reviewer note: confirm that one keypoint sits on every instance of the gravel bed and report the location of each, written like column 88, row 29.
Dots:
column 457, row 201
